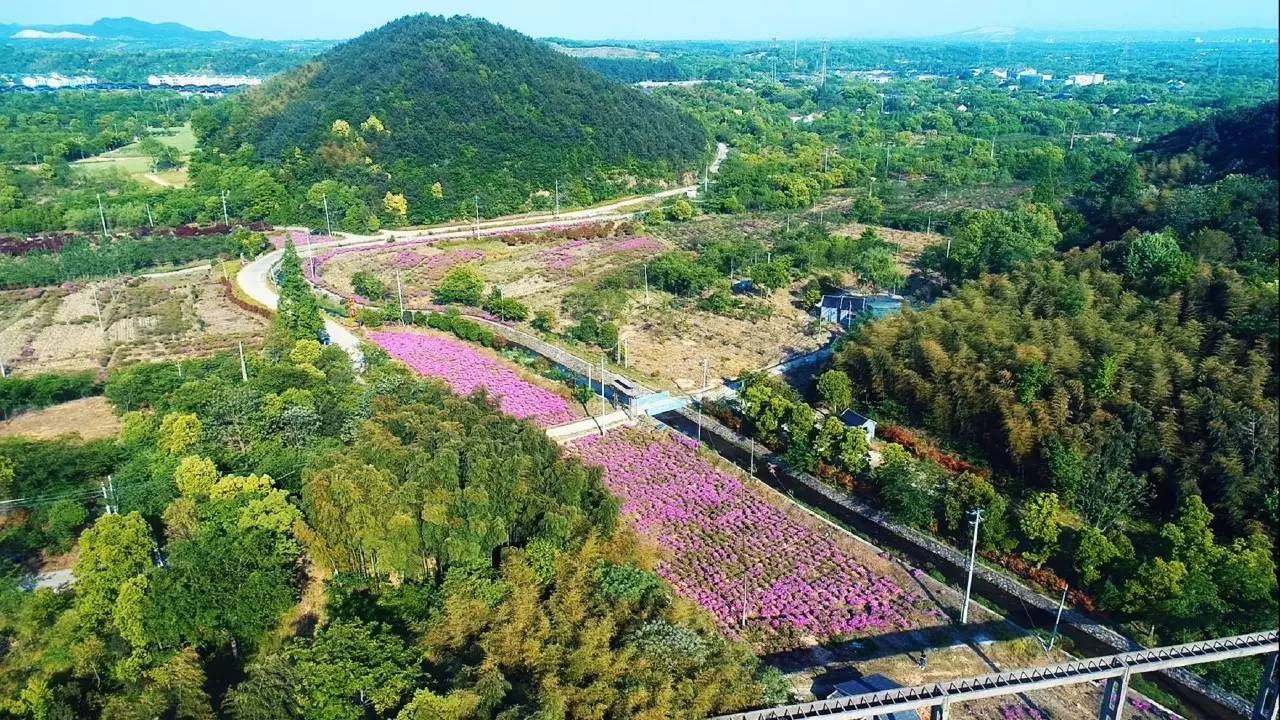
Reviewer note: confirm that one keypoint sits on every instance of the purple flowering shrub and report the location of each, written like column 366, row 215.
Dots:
column 564, row 255
column 466, row 370
column 774, row 579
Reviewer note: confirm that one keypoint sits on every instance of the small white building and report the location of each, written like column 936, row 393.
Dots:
column 1086, row 79
column 860, row 421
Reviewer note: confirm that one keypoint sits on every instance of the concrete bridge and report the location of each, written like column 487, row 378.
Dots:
column 1114, row 670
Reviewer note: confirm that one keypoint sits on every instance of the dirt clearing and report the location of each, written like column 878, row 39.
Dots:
column 91, row 418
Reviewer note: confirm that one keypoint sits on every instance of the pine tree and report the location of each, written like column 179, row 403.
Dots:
column 297, row 312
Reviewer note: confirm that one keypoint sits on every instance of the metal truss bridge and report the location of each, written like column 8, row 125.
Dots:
column 1115, row 670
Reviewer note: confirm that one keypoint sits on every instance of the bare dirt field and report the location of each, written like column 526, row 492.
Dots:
column 668, row 340
column 90, row 418
column 910, row 244
column 179, row 315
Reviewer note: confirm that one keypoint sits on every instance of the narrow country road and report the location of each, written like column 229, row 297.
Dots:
column 256, row 281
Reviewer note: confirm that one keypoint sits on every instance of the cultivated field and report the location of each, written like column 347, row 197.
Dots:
column 131, row 160
column 667, row 338
column 467, row 368
column 172, row 316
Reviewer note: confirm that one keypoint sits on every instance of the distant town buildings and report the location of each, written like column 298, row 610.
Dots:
column 877, row 77
column 651, row 84
column 1086, row 79
column 54, row 80
column 1031, row 78
column 202, row 80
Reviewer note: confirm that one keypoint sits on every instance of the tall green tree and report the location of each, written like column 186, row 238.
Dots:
column 297, row 312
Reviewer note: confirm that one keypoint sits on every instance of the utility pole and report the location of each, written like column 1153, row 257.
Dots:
column 310, row 253
column 822, row 79
column 328, row 227
column 704, row 374
column 97, row 308
column 603, row 409
column 226, row 220
column 753, row 455
column 111, row 488
column 400, row 296
column 476, row 231
column 976, row 514
column 706, row 178
column 557, row 212
column 646, row 282
column 102, row 216
column 106, row 499
column 698, row 404
column 244, row 369
column 1061, row 604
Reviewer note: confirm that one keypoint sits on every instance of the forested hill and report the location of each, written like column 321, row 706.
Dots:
column 459, row 101
column 1233, row 141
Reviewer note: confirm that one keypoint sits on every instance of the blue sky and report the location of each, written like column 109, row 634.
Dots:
column 666, row 19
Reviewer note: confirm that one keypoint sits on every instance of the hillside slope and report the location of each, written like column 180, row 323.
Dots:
column 1240, row 140
column 460, row 101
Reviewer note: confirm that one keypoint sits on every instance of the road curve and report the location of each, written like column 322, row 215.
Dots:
column 255, row 278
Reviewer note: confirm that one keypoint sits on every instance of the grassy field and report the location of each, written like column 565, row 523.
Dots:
column 131, row 160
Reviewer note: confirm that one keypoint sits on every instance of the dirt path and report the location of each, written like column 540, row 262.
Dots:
column 158, row 180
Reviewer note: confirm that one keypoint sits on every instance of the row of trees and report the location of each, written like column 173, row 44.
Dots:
column 84, row 259
column 27, row 392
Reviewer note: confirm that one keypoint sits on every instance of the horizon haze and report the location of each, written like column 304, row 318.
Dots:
column 669, row 20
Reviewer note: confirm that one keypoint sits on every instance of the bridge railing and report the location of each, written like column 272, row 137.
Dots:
column 884, row 702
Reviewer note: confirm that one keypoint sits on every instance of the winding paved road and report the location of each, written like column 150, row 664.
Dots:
column 255, row 277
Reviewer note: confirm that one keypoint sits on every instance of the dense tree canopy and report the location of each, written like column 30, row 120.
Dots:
column 306, row 545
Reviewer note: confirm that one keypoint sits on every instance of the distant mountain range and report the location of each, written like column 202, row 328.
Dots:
column 996, row 33
column 125, row 29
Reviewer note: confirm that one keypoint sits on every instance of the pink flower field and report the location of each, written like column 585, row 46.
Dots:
column 565, row 255
column 776, row 579
column 465, row 370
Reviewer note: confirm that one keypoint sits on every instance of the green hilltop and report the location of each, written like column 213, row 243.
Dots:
column 459, row 101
